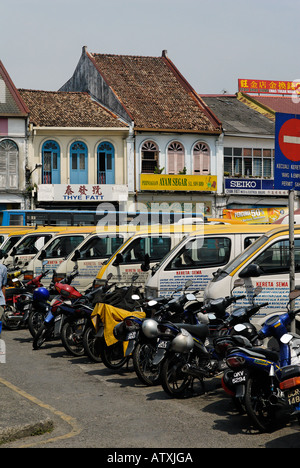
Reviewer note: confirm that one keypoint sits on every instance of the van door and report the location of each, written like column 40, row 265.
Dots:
column 139, row 256
column 90, row 257
column 273, row 262
column 197, row 259
column 54, row 253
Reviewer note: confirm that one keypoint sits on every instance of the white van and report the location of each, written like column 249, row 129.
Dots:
column 141, row 252
column 199, row 256
column 30, row 244
column 93, row 252
column 265, row 263
column 55, row 251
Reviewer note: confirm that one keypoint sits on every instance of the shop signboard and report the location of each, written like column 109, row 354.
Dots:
column 180, row 182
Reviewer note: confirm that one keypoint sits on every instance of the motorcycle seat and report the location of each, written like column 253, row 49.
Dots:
column 267, row 353
column 200, row 331
column 288, row 372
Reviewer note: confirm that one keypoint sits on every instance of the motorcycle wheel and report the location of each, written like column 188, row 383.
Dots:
column 173, row 380
column 258, row 407
column 7, row 322
column 71, row 337
column 91, row 344
column 35, row 321
column 112, row 356
column 142, row 357
column 40, row 337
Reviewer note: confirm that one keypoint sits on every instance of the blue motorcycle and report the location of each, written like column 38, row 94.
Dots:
column 255, row 373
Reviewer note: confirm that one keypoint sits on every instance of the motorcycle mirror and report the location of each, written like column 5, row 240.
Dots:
column 109, row 276
column 238, row 283
column 239, row 327
column 286, row 338
column 152, row 303
column 188, row 283
column 190, row 297
column 134, row 278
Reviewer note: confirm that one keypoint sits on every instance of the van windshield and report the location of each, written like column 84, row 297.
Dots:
column 240, row 258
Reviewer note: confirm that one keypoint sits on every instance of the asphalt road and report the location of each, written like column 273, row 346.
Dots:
column 94, row 407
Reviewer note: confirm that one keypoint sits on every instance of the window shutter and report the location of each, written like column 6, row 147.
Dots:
column 12, row 168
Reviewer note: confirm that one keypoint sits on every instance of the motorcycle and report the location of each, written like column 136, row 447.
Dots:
column 111, row 307
column 256, row 375
column 52, row 323
column 189, row 352
column 19, row 300
column 141, row 333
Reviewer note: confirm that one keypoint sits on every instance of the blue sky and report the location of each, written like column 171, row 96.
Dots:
column 212, row 42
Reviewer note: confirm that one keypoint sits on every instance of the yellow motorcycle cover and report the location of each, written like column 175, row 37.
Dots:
column 110, row 316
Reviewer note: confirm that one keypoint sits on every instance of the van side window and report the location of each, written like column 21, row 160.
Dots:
column 155, row 246
column 100, row 247
column 201, row 253
column 276, row 259
column 62, row 246
column 249, row 240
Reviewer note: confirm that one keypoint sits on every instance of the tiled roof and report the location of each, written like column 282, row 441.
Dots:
column 283, row 104
column 64, row 109
column 237, row 117
column 155, row 94
column 11, row 103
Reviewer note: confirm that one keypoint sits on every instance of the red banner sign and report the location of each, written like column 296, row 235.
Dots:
column 268, row 87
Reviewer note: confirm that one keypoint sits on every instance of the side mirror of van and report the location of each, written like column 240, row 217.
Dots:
column 42, row 255
column 76, row 255
column 118, row 260
column 145, row 266
column 252, row 270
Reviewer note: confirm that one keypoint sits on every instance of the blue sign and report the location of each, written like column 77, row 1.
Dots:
column 287, row 152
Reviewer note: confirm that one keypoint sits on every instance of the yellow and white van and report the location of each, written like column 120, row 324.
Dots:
column 199, row 256
column 31, row 243
column 11, row 238
column 141, row 252
column 265, row 263
column 96, row 248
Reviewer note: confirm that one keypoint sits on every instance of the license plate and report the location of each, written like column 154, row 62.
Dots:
column 238, row 377
column 80, row 321
column 162, row 344
column 293, row 396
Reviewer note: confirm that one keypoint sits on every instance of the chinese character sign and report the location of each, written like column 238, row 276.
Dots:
column 268, row 87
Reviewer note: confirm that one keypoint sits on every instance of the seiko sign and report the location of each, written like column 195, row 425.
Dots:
column 251, row 187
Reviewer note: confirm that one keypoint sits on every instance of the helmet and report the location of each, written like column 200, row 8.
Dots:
column 149, row 328
column 41, row 294
column 183, row 342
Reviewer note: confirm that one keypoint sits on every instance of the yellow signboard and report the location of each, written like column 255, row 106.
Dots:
column 179, row 182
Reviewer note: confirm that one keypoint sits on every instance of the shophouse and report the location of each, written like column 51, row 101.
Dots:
column 13, row 144
column 174, row 140
column 76, row 151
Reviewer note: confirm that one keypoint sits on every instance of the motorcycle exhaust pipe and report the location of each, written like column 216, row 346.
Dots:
column 188, row 369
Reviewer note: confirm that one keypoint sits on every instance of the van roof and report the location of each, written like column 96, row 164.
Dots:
column 206, row 229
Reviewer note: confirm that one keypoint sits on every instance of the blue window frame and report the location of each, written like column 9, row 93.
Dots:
column 51, row 162
column 106, row 163
column 78, row 163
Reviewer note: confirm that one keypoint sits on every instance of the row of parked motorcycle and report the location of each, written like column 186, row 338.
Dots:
column 173, row 341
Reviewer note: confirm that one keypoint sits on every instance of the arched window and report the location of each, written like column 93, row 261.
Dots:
column 149, row 157
column 175, row 158
column 201, row 156
column 105, row 163
column 78, row 163
column 51, row 163
column 9, row 156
